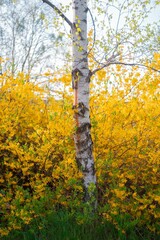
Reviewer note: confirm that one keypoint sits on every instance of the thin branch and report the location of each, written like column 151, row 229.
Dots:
column 58, row 11
column 94, row 30
column 100, row 68
column 108, row 63
column 137, row 64
column 119, row 16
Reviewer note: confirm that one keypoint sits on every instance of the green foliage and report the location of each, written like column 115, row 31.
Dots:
column 62, row 225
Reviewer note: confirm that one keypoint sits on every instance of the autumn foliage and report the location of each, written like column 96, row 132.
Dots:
column 38, row 172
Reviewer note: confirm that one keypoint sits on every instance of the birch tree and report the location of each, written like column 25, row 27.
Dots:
column 118, row 42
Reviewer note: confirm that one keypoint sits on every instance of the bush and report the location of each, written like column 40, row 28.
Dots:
column 38, row 172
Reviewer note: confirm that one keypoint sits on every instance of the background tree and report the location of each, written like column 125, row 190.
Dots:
column 27, row 40
column 124, row 38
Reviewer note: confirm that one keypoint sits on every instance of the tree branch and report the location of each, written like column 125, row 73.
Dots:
column 94, row 29
column 108, row 63
column 136, row 64
column 58, row 11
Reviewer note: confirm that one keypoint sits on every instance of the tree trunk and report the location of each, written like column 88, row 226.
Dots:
column 80, row 82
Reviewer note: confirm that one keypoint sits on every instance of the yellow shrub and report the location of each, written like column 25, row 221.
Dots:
column 127, row 148
column 36, row 151
column 37, row 156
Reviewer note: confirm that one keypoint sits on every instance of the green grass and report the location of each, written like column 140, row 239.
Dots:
column 63, row 226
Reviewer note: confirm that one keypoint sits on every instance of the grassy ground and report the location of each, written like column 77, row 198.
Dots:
column 63, row 226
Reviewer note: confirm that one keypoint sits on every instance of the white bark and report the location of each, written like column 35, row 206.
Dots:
column 80, row 81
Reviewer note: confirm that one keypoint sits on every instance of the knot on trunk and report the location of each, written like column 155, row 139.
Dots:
column 80, row 109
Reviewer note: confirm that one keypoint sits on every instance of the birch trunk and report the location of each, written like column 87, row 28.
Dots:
column 81, row 82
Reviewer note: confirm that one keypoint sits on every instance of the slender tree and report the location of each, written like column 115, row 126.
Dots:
column 123, row 43
column 81, row 79
column 80, row 83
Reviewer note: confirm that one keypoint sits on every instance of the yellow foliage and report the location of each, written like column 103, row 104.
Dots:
column 34, row 152
column 127, row 144
column 101, row 74
column 37, row 150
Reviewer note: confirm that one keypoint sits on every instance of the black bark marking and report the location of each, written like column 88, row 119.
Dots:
column 89, row 76
column 82, row 164
column 82, row 109
column 83, row 127
column 84, row 60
